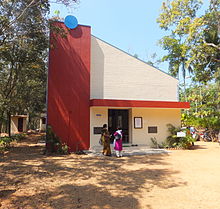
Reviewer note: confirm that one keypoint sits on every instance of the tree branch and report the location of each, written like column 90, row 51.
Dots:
column 213, row 45
column 22, row 13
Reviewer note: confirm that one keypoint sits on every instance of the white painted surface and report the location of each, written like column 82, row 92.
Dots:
column 117, row 75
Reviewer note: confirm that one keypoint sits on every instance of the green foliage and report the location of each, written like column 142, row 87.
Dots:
column 53, row 143
column 205, row 107
column 154, row 142
column 5, row 143
column 18, row 137
column 173, row 141
column 157, row 145
column 23, row 55
column 212, row 123
column 24, row 46
column 136, row 56
column 52, row 140
column 153, row 60
column 185, row 142
column 194, row 43
column 63, row 149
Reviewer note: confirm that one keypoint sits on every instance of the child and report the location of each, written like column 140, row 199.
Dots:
column 118, row 142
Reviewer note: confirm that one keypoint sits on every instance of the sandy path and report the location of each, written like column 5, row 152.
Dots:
column 182, row 179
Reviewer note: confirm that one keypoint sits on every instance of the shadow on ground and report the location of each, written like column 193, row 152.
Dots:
column 30, row 179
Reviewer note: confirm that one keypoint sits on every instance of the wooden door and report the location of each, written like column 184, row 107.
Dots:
column 20, row 124
column 119, row 118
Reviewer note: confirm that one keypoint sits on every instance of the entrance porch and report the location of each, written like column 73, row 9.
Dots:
column 139, row 125
column 128, row 150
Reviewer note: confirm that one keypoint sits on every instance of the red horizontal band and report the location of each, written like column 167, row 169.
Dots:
column 138, row 103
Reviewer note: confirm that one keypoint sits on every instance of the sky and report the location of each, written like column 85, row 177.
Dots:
column 128, row 25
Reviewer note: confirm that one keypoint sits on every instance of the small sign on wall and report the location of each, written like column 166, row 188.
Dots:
column 181, row 134
column 138, row 122
column 152, row 129
column 97, row 130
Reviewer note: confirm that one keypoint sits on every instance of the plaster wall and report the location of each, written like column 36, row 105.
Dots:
column 150, row 117
column 14, row 125
column 118, row 75
column 154, row 117
column 98, row 117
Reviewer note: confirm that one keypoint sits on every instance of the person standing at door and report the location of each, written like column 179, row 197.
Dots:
column 118, row 142
column 105, row 138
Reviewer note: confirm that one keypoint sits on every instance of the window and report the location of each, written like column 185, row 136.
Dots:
column 152, row 129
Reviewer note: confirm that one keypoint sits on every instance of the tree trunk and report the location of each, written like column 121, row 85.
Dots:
column 28, row 121
column 0, row 127
column 9, row 124
column 1, row 121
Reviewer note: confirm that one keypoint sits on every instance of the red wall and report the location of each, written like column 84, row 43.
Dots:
column 69, row 86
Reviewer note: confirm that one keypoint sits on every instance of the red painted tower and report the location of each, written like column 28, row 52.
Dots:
column 69, row 86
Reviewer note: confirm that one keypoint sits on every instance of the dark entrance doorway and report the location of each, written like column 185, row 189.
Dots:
column 118, row 118
column 20, row 124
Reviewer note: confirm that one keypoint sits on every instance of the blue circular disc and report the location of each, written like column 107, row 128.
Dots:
column 71, row 21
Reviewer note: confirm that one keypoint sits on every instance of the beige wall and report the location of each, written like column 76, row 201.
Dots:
column 14, row 125
column 151, row 117
column 98, row 117
column 117, row 75
column 42, row 126
column 154, row 117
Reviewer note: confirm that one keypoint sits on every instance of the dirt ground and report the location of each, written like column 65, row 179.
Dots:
column 181, row 179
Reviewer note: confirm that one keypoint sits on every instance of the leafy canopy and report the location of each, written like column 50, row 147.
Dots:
column 193, row 42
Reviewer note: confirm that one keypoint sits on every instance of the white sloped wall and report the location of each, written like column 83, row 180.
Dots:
column 117, row 75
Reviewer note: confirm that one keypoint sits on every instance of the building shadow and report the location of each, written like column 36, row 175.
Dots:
column 30, row 179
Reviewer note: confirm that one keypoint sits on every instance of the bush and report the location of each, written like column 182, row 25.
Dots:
column 18, row 137
column 173, row 141
column 5, row 143
column 53, row 143
column 156, row 144
column 63, row 149
column 212, row 123
column 186, row 142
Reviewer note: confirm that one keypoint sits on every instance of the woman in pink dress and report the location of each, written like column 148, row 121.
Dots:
column 118, row 142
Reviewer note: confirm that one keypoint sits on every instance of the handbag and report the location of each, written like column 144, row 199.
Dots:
column 100, row 141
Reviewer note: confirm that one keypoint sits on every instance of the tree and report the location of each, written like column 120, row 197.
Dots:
column 193, row 43
column 14, row 11
column 206, row 49
column 24, row 43
column 153, row 61
column 204, row 101
column 24, row 46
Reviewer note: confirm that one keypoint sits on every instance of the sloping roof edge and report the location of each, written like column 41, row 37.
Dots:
column 133, row 56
